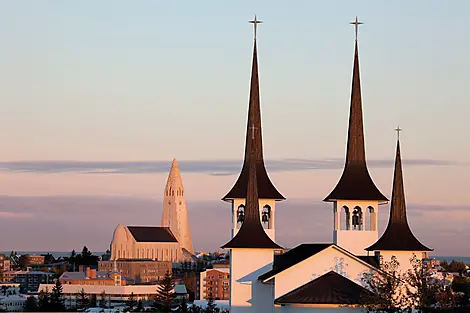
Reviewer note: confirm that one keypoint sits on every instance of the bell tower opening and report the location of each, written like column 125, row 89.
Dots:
column 266, row 219
column 240, row 215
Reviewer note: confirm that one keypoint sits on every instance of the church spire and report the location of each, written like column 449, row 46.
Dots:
column 251, row 233
column 356, row 183
column 174, row 182
column 398, row 235
column 266, row 188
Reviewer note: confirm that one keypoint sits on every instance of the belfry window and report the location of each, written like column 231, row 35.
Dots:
column 240, row 214
column 357, row 218
column 266, row 215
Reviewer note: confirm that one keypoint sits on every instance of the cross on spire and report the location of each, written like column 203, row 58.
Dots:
column 356, row 23
column 398, row 130
column 252, row 127
column 255, row 23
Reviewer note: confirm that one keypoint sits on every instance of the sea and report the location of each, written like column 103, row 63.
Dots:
column 57, row 254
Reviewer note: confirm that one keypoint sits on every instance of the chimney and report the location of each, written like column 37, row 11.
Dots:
column 93, row 273
column 87, row 272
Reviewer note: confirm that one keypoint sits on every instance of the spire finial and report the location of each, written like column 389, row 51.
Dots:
column 398, row 130
column 356, row 23
column 255, row 23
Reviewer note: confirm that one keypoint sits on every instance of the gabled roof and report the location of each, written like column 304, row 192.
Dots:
column 355, row 182
column 252, row 234
column 304, row 251
column 152, row 234
column 330, row 288
column 266, row 189
column 294, row 256
column 398, row 235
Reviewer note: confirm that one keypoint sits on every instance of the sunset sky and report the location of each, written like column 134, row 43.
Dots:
column 96, row 98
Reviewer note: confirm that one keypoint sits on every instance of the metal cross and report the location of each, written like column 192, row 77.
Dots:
column 398, row 130
column 255, row 23
column 252, row 127
column 356, row 23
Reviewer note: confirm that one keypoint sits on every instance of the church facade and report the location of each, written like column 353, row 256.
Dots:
column 319, row 277
column 169, row 242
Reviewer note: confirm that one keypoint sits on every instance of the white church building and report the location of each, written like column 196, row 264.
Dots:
column 317, row 277
column 169, row 242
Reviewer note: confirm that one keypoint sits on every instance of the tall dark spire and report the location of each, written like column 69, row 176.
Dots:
column 356, row 183
column 266, row 188
column 251, row 233
column 398, row 235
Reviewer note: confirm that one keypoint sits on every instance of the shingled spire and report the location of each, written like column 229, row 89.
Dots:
column 398, row 235
column 356, row 183
column 266, row 189
column 251, row 233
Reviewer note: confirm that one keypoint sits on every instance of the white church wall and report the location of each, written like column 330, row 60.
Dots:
column 269, row 228
column 330, row 259
column 247, row 293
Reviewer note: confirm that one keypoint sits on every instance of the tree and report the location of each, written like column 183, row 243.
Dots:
column 82, row 300
column 195, row 309
column 44, row 300
column 183, row 307
column 93, row 300
column 386, row 286
column 31, row 304
column 165, row 294
column 131, row 302
column 190, row 283
column 57, row 297
column 211, row 306
column 139, row 307
column 102, row 303
column 454, row 267
column 86, row 253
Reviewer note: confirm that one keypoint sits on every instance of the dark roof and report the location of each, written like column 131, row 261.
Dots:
column 152, row 234
column 251, row 234
column 370, row 259
column 330, row 288
column 266, row 189
column 294, row 256
column 398, row 235
column 355, row 182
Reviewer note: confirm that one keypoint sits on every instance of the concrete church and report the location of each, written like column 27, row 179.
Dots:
column 169, row 242
column 319, row 277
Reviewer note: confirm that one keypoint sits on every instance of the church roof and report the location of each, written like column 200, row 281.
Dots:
column 330, row 288
column 294, row 256
column 266, row 189
column 398, row 235
column 152, row 234
column 252, row 234
column 355, row 182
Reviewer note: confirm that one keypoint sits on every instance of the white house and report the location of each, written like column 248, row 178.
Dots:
column 319, row 277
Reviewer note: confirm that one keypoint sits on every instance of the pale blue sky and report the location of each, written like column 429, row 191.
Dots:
column 149, row 80
column 111, row 80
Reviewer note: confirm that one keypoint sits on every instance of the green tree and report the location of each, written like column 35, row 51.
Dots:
column 183, row 307
column 165, row 294
column 31, row 304
column 385, row 286
column 189, row 280
column 82, row 300
column 93, row 300
column 44, row 300
column 211, row 306
column 57, row 297
column 86, row 253
column 139, row 307
column 195, row 309
column 454, row 267
column 103, row 301
column 131, row 302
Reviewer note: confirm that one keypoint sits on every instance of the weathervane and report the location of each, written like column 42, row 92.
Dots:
column 398, row 130
column 356, row 23
column 255, row 23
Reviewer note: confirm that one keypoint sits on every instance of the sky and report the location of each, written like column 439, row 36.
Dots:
column 96, row 98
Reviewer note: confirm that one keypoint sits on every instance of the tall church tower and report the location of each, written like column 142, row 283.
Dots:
column 398, row 239
column 174, row 212
column 267, row 193
column 355, row 197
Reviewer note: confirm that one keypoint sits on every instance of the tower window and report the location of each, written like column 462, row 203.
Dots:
column 345, row 218
column 266, row 216
column 357, row 218
column 240, row 214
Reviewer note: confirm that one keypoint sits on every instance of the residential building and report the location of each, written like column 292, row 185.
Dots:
column 26, row 260
column 140, row 270
column 29, row 280
column 10, row 298
column 4, row 263
column 214, row 283
column 95, row 278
